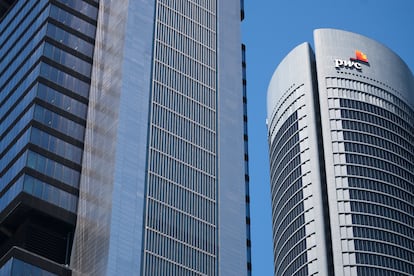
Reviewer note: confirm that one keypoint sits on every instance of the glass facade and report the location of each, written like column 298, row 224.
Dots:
column 373, row 142
column 297, row 203
column 119, row 121
column 365, row 118
column 181, row 195
column 44, row 92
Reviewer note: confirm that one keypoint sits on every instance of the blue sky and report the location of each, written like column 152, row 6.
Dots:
column 270, row 30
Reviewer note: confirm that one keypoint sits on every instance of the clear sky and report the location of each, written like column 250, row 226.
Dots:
column 270, row 30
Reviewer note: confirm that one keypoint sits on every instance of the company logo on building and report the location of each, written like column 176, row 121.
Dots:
column 356, row 62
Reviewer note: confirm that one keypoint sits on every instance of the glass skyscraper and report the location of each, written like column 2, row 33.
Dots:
column 123, row 138
column 341, row 132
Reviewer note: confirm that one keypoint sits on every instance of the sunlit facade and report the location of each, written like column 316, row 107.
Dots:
column 340, row 123
column 123, row 138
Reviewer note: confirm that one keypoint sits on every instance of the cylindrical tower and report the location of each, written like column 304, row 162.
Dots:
column 341, row 133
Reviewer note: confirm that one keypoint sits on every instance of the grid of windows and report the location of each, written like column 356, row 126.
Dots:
column 287, row 199
column 181, row 203
column 373, row 138
column 47, row 118
column 44, row 85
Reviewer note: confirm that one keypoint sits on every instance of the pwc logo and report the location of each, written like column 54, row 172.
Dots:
column 360, row 58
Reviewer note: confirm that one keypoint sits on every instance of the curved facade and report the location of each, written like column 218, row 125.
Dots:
column 362, row 105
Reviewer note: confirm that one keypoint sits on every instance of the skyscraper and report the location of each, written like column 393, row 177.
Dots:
column 340, row 125
column 123, row 138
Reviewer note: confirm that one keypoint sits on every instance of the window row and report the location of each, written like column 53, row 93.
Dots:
column 14, row 112
column 293, row 254
column 186, row 45
column 181, row 226
column 286, row 171
column 182, row 150
column 183, row 127
column 68, row 60
column 378, row 186
column 50, row 194
column 292, row 101
column 284, row 248
column 285, row 126
column 70, row 40
column 10, row 95
column 180, row 253
column 56, row 145
column 73, row 22
column 15, row 15
column 381, row 199
column 374, row 271
column 187, row 26
column 64, row 80
column 375, row 174
column 289, row 138
column 53, row 169
column 183, row 174
column 283, row 222
column 285, row 193
column 288, row 205
column 17, row 128
column 383, row 248
column 185, row 64
column 62, row 101
column 377, row 131
column 298, row 267
column 184, row 106
column 366, row 92
column 196, row 11
column 276, row 190
column 382, row 235
column 165, row 72
column 14, row 82
column 193, row 89
column 24, row 25
column 376, row 163
column 377, row 121
column 383, row 223
column 389, row 262
column 379, row 142
column 383, row 211
column 19, row 54
column 392, row 115
column 380, row 153
column 158, row 266
column 82, row 7
column 283, row 235
column 14, row 149
column 277, row 165
column 59, row 123
column 182, row 198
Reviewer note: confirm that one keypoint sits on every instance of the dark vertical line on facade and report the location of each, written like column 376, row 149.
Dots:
column 246, row 162
column 322, row 169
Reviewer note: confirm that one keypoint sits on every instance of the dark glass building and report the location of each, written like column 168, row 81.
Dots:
column 123, row 140
column 341, row 133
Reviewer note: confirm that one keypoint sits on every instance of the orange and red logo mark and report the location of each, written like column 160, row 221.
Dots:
column 360, row 56
column 353, row 63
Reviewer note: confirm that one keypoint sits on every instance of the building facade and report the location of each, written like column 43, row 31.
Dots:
column 123, row 138
column 340, row 124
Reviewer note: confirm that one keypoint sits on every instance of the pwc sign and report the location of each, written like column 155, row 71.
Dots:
column 360, row 58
